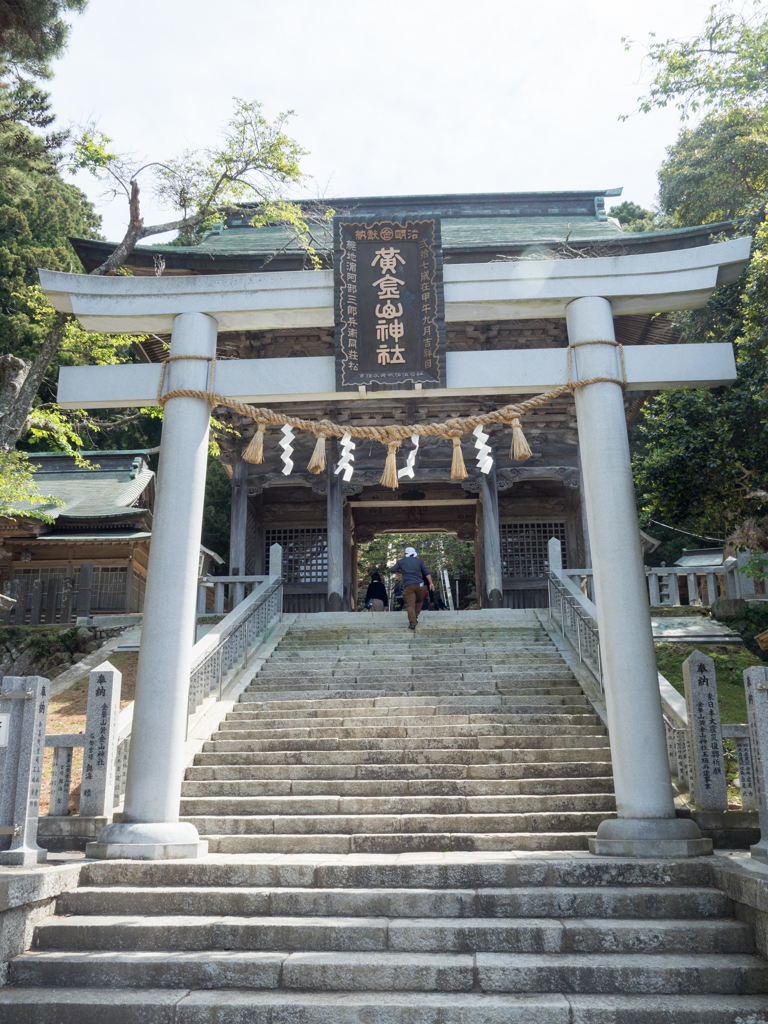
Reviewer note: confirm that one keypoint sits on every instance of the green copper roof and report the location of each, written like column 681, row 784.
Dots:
column 475, row 227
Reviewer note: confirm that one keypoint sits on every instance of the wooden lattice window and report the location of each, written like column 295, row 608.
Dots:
column 305, row 553
column 524, row 548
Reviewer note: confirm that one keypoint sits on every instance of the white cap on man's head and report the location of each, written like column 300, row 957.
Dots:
column 410, row 553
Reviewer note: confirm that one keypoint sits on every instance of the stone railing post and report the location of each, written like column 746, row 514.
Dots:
column 707, row 781
column 103, row 710
column 276, row 560
column 25, row 700
column 61, row 782
column 756, row 689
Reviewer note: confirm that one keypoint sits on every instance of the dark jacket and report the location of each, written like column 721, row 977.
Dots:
column 414, row 571
column 376, row 592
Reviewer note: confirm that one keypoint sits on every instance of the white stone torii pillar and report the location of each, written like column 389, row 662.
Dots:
column 588, row 292
column 646, row 825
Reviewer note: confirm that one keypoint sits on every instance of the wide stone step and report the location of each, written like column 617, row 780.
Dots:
column 373, row 678
column 302, row 805
column 458, row 755
column 318, row 711
column 355, row 824
column 534, row 741
column 240, row 787
column 239, row 721
column 678, row 973
column 400, row 843
column 441, row 871
column 417, row 935
column 241, row 733
column 531, row 773
column 47, row 1005
column 560, row 696
column 298, row 695
column 530, row 901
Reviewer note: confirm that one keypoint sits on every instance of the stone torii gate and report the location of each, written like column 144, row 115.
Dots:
column 587, row 292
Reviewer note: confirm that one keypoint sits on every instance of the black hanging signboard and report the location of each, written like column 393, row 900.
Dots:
column 388, row 303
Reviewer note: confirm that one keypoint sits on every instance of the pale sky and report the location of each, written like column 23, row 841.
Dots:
column 395, row 97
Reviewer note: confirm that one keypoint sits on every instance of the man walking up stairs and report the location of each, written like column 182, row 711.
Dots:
column 398, row 826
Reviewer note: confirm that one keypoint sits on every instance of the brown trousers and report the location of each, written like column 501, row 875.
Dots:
column 414, row 598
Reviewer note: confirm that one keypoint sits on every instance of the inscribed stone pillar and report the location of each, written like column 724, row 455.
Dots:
column 21, row 767
column 646, row 824
column 746, row 773
column 150, row 829
column 61, row 781
column 102, row 712
column 238, row 527
column 756, row 690
column 707, row 783
column 494, row 585
column 335, row 535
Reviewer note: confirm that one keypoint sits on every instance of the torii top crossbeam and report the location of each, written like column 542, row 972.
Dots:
column 588, row 293
column 652, row 282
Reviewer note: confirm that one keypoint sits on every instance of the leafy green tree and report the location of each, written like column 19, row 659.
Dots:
column 717, row 170
column 19, row 494
column 217, row 509
column 633, row 217
column 722, row 67
column 248, row 174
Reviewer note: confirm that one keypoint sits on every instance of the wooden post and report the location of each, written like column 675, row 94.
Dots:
column 20, row 608
column 479, row 557
column 494, row 586
column 354, row 570
column 335, row 534
column 36, row 602
column 67, row 598
column 129, row 587
column 347, row 516
column 10, row 589
column 238, row 528
column 51, row 598
column 85, row 590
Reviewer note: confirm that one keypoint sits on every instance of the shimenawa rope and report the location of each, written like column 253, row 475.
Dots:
column 393, row 434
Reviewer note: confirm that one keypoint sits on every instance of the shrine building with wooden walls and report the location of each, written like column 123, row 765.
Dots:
column 510, row 512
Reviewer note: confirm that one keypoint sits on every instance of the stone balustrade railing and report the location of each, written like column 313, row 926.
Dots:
column 702, row 585
column 694, row 732
column 216, row 659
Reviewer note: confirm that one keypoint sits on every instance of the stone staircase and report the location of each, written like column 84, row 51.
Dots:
column 398, row 827
column 373, row 740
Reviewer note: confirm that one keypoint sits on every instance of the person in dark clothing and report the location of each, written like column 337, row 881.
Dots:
column 415, row 574
column 376, row 597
